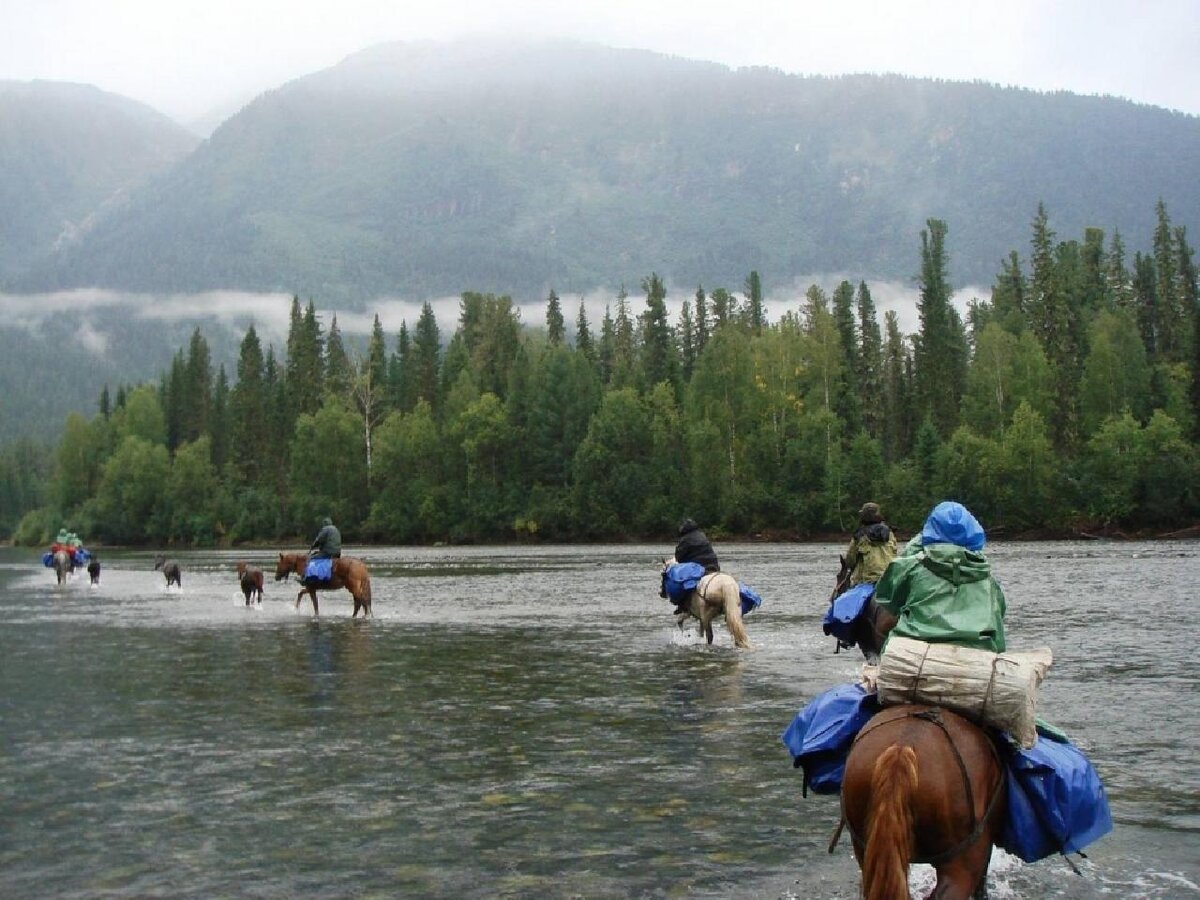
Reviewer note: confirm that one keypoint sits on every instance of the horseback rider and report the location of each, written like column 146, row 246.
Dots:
column 872, row 546
column 941, row 589
column 694, row 546
column 328, row 544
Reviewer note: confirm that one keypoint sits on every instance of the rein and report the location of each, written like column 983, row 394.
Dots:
column 933, row 715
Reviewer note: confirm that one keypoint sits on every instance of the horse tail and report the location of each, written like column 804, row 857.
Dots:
column 733, row 612
column 890, row 832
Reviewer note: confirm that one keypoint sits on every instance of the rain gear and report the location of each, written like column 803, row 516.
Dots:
column 694, row 546
column 871, row 549
column 945, row 592
column 328, row 542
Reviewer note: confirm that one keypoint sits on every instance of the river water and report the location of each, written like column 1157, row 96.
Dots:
column 527, row 722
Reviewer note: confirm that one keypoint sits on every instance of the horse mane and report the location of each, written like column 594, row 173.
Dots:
column 889, row 842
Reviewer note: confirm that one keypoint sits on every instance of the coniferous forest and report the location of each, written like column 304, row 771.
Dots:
column 1068, row 402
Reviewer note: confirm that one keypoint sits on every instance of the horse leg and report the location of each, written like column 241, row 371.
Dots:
column 313, row 594
column 300, row 596
column 965, row 876
column 357, row 604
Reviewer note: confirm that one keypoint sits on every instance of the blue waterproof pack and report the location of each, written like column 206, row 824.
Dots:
column 844, row 609
column 750, row 599
column 1056, row 803
column 681, row 579
column 319, row 569
column 48, row 559
column 820, row 736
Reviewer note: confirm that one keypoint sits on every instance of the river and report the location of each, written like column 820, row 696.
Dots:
column 527, row 722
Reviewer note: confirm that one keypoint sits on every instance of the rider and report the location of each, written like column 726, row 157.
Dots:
column 872, row 546
column 945, row 592
column 328, row 544
column 694, row 546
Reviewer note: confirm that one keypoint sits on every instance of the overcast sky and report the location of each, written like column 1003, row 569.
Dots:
column 188, row 58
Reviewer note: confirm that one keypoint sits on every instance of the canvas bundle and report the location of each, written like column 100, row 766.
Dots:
column 998, row 689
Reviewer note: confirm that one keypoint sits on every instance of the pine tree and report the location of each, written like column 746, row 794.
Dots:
column 426, row 353
column 849, row 400
column 623, row 372
column 583, row 334
column 658, row 357
column 105, row 403
column 1052, row 321
column 556, row 326
column 219, row 422
column 1119, row 282
column 755, row 317
column 870, row 362
column 338, row 368
column 940, row 360
column 897, row 428
column 304, row 374
column 687, row 337
column 248, row 407
column 606, row 355
column 702, row 321
column 1171, row 317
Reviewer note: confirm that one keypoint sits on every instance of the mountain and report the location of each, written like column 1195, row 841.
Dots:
column 69, row 154
column 423, row 169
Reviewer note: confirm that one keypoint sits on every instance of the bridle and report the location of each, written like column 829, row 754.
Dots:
column 933, row 715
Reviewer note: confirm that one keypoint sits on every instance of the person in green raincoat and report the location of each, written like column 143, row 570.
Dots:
column 942, row 590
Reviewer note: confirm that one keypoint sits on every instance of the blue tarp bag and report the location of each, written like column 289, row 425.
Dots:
column 320, row 569
column 81, row 557
column 681, row 579
column 1056, row 803
column 750, row 599
column 48, row 559
column 845, row 609
column 820, row 736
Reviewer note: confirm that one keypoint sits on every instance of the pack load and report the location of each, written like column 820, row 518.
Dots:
column 997, row 689
column 318, row 569
column 845, row 609
column 820, row 736
column 1056, row 803
column 681, row 579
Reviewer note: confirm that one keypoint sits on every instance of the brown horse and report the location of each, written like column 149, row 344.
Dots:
column 870, row 629
column 170, row 570
column 923, row 785
column 348, row 573
column 251, row 581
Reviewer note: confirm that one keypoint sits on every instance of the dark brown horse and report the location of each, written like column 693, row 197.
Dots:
column 251, row 581
column 923, row 785
column 348, row 573
column 170, row 569
column 870, row 629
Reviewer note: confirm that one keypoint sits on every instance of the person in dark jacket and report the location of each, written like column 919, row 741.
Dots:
column 694, row 546
column 872, row 546
column 328, row 544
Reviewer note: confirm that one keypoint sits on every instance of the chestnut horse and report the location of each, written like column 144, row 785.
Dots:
column 923, row 784
column 251, row 581
column 348, row 573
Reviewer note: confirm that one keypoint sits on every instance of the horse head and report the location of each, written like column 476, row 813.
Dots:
column 284, row 567
column 159, row 562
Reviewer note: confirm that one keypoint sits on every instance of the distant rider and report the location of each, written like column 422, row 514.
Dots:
column 872, row 546
column 328, row 544
column 694, row 546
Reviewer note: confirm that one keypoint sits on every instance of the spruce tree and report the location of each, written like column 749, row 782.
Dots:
column 870, row 362
column 755, row 317
column 940, row 360
column 556, row 326
column 338, row 368
column 584, row 342
column 426, row 353
column 658, row 356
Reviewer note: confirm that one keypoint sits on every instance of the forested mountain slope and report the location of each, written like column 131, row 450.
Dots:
column 69, row 154
column 422, row 169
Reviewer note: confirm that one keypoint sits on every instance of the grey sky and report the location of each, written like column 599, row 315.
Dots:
column 189, row 57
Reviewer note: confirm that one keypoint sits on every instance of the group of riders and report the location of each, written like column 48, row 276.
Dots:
column 939, row 587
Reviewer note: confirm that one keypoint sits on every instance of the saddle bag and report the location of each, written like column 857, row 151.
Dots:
column 681, row 579
column 1056, row 803
column 821, row 734
column 318, row 570
column 997, row 689
column 845, row 610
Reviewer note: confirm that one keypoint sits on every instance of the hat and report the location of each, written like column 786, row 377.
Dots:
column 870, row 513
column 687, row 525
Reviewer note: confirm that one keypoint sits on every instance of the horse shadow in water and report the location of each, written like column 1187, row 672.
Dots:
column 251, row 581
column 348, row 573
column 170, row 570
column 921, row 785
column 717, row 594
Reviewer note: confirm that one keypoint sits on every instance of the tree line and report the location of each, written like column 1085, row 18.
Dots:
column 1067, row 401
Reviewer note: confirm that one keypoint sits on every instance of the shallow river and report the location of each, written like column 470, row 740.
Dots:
column 528, row 722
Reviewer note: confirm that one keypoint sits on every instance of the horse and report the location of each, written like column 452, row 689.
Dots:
column 348, row 573
column 170, row 569
column 93, row 569
column 251, row 581
column 870, row 629
column 63, row 565
column 923, row 784
column 717, row 594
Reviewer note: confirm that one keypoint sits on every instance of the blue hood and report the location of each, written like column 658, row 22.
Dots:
column 952, row 523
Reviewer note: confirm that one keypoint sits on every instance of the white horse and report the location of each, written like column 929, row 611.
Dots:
column 717, row 594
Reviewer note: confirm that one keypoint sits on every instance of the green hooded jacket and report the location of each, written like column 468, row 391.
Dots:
column 945, row 594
